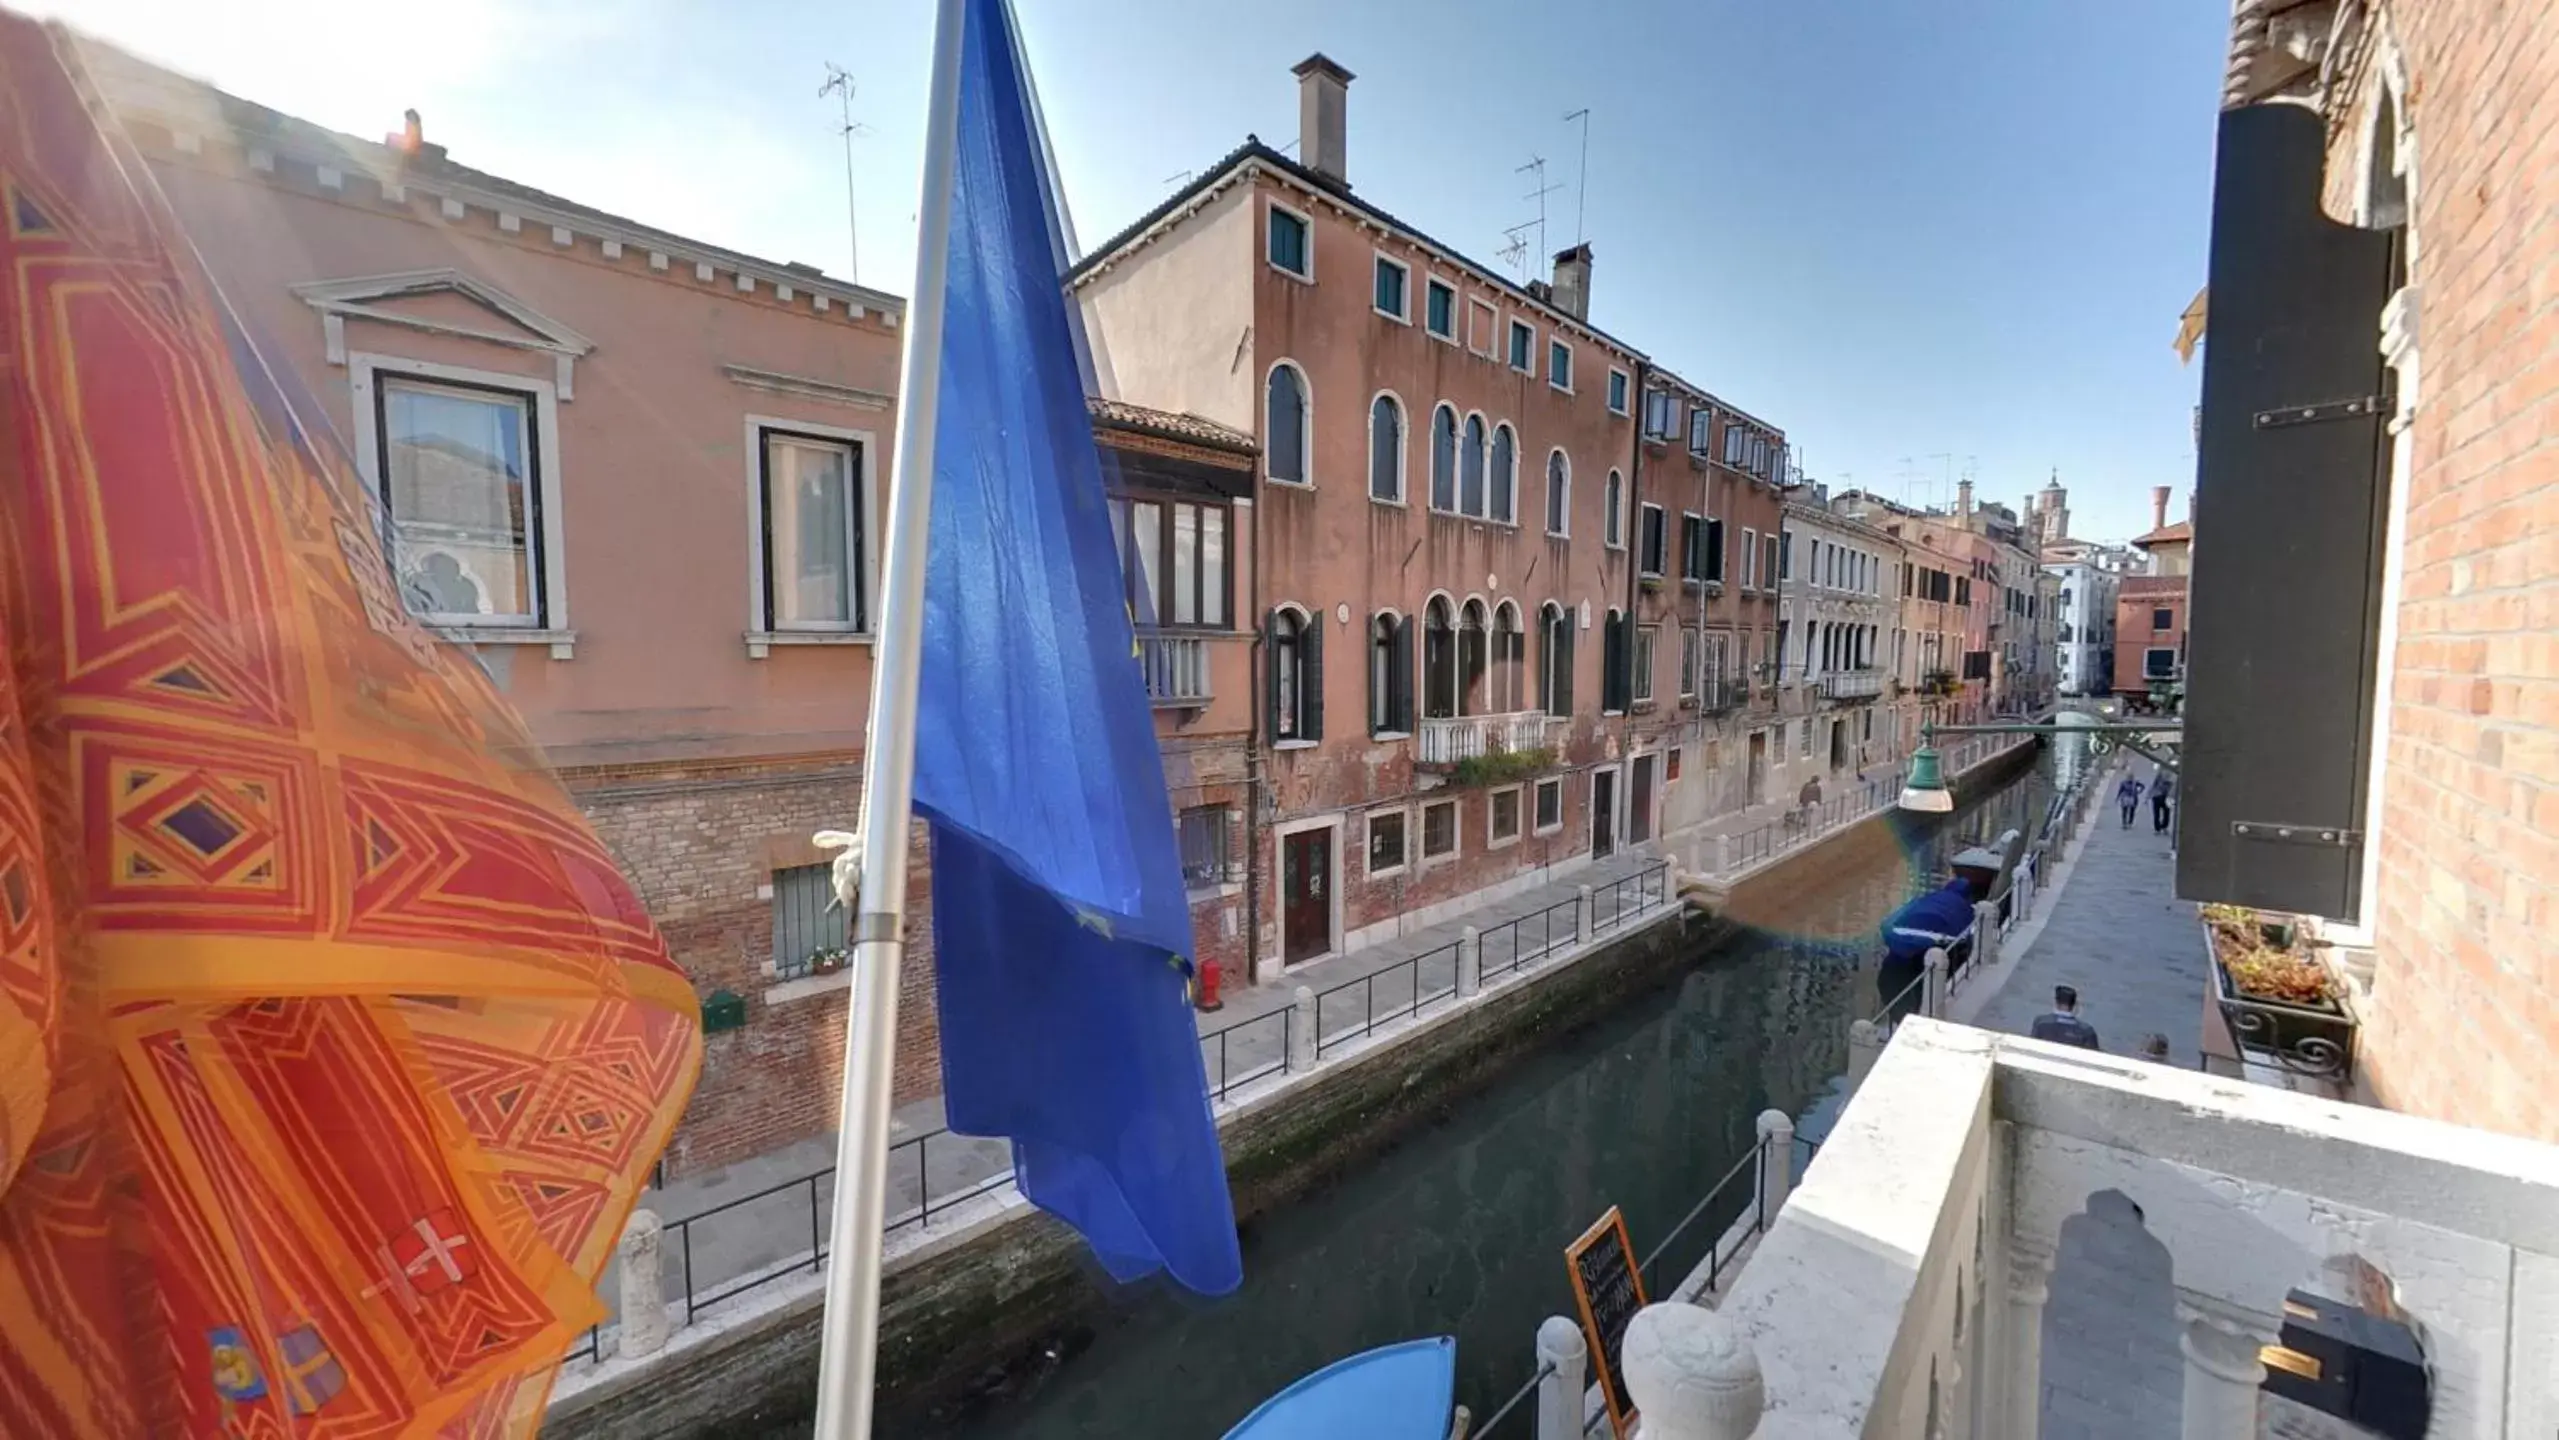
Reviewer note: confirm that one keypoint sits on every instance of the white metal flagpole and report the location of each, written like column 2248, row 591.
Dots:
column 849, row 1361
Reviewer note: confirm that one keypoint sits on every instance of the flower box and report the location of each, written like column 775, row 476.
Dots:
column 2280, row 1002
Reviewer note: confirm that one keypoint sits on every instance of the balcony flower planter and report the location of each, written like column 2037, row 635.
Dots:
column 1501, row 767
column 2280, row 1002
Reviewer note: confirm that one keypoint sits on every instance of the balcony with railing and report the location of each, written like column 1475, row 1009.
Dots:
column 1446, row 740
column 1852, row 684
column 1176, row 669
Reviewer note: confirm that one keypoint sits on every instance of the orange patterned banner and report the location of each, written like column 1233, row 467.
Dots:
column 334, row 1049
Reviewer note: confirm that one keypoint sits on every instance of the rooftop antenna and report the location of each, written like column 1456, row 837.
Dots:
column 1178, row 177
column 839, row 83
column 1515, row 246
column 1536, row 170
column 1581, row 175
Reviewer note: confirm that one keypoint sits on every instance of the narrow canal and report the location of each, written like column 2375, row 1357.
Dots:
column 1460, row 1230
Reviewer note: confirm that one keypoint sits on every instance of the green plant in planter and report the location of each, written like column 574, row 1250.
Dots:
column 826, row 959
column 1502, row 766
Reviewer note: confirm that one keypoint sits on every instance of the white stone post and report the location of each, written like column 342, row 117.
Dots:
column 1470, row 962
column 1865, row 1047
column 2222, row 1374
column 1776, row 1164
column 1582, row 915
column 1301, row 1030
column 2022, row 1367
column 1723, row 854
column 1932, row 983
column 1985, row 934
column 645, row 1321
column 1692, row 1375
column 1560, row 1394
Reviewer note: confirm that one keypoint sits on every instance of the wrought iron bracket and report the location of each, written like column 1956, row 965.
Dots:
column 2327, row 835
column 2326, row 410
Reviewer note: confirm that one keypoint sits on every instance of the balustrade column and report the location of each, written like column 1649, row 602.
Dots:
column 2222, row 1370
column 2022, row 1342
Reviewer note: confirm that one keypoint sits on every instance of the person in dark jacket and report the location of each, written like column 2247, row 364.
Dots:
column 2128, row 795
column 2163, row 788
column 2062, row 1024
column 1940, row 919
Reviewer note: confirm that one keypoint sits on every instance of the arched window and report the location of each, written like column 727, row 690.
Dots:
column 1555, row 660
column 1296, row 689
column 1285, row 425
column 1613, row 504
column 1443, row 459
column 1510, row 655
column 1439, row 660
column 1386, row 449
column 1470, row 468
column 1390, row 674
column 1559, row 493
column 1505, row 475
column 1470, row 658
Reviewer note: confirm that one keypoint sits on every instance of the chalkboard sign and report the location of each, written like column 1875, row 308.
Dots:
column 1609, row 1290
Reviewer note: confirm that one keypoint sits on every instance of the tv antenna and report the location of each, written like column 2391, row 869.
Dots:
column 1515, row 246
column 1581, row 175
column 839, row 83
column 1536, row 170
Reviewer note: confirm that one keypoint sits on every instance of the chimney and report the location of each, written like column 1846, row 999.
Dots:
column 1323, row 104
column 1964, row 499
column 1572, row 281
column 2158, row 507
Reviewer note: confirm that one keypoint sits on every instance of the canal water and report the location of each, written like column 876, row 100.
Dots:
column 1460, row 1230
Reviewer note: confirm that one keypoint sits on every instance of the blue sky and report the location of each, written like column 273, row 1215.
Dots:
column 1903, row 231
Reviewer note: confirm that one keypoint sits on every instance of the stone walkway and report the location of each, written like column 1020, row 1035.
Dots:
column 2111, row 1368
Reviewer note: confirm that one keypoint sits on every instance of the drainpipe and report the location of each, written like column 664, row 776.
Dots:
column 1253, row 825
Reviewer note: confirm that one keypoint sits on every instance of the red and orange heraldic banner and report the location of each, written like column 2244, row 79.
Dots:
column 334, row 1049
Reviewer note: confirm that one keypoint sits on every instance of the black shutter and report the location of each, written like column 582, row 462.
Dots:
column 1714, row 549
column 1400, row 706
column 1612, row 665
column 1310, row 689
column 1564, row 675
column 2290, row 513
column 1271, row 676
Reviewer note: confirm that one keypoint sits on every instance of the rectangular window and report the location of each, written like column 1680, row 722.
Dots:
column 1617, row 392
column 1689, row 653
column 1692, row 547
column 1550, row 806
column 1750, row 558
column 2163, row 618
column 1481, row 322
column 1701, row 430
column 461, row 479
column 1391, row 279
column 1501, row 816
column 1715, row 550
column 1175, row 562
column 1651, row 539
column 1645, row 635
column 1385, row 842
column 1786, row 556
column 1963, row 590
column 1439, row 309
column 1523, row 346
column 809, row 930
column 1734, row 443
column 1439, row 829
column 1559, row 365
column 1289, row 250
column 1206, row 859
column 1768, row 561
column 1804, row 746
column 812, row 508
column 1661, row 415
column 2159, row 663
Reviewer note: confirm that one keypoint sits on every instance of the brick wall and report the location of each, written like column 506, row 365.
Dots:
column 2466, row 991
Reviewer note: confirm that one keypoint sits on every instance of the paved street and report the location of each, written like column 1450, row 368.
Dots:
column 2111, row 1367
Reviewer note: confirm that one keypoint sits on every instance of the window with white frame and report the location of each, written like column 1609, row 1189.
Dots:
column 1523, row 351
column 2159, row 663
column 1297, row 676
column 1645, row 636
column 1501, row 816
column 1661, row 415
column 1650, row 539
column 461, row 475
column 1690, row 652
column 808, row 926
column 1750, row 558
column 1386, row 841
column 1701, row 430
column 1291, row 244
column 1504, row 505
column 1559, row 365
column 1617, row 383
column 1439, row 309
column 1549, row 803
column 1612, row 520
column 1386, row 450
column 1173, row 555
column 1439, row 829
column 1203, row 832
column 1559, row 494
column 1287, row 426
column 809, row 496
column 1393, row 277
column 1692, row 546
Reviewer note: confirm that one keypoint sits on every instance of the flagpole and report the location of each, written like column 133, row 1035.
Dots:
column 848, row 1363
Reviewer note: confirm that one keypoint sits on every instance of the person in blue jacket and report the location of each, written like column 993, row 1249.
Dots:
column 1942, row 918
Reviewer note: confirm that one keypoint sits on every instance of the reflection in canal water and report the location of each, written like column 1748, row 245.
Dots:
column 1460, row 1230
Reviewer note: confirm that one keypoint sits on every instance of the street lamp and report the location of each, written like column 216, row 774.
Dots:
column 1926, row 791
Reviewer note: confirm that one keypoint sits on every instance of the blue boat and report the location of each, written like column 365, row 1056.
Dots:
column 1404, row 1391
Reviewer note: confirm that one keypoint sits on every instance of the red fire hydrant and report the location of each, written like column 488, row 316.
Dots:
column 1207, row 987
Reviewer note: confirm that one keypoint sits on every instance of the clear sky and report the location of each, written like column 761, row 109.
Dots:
column 1920, row 235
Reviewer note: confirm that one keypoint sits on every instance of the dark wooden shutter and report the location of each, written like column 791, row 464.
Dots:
column 1400, row 706
column 1714, row 549
column 1564, row 675
column 2290, row 513
column 1310, row 689
column 1612, row 665
column 1270, row 677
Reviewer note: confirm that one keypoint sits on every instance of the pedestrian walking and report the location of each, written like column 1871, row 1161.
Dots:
column 2154, row 1048
column 2062, row 1025
column 2162, row 790
column 2128, row 795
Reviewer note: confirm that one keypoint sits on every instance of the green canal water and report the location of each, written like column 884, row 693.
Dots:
column 1460, row 1229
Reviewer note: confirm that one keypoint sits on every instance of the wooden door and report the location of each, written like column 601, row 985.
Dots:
column 1306, row 895
column 1603, row 814
column 1639, row 802
column 1757, row 775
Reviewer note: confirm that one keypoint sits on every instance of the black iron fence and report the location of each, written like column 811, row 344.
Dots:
column 1528, row 938
column 1404, row 978
column 1235, row 1054
column 1622, row 900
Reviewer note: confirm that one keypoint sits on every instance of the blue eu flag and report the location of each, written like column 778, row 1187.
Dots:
column 1060, row 925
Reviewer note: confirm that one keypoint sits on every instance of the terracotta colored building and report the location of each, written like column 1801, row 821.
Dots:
column 2152, row 611
column 2381, row 663
column 642, row 478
